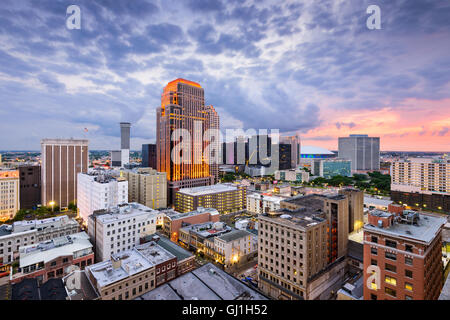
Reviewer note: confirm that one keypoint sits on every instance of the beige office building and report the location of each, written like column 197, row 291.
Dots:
column 62, row 160
column 9, row 193
column 147, row 186
column 299, row 241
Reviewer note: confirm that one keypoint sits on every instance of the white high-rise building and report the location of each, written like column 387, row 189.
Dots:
column 120, row 228
column 97, row 191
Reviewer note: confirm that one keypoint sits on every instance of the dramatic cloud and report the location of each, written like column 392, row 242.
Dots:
column 310, row 67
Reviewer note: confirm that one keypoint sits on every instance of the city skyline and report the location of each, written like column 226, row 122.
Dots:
column 250, row 58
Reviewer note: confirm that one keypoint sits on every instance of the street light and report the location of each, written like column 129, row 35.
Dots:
column 52, row 203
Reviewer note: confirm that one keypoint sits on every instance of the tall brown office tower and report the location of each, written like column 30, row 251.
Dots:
column 62, row 160
column 183, row 107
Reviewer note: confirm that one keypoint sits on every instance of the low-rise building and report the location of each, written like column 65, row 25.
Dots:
column 132, row 273
column 260, row 203
column 226, row 198
column 194, row 236
column 292, row 175
column 235, row 247
column 120, row 228
column 174, row 221
column 51, row 259
column 205, row 283
column 24, row 233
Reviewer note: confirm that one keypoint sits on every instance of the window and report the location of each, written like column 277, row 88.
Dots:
column 373, row 251
column 390, row 280
column 390, row 267
column 374, row 239
column 408, row 273
column 408, row 261
column 390, row 255
column 408, row 286
column 408, row 298
column 373, row 262
column 390, row 243
column 390, row 292
column 373, row 296
column 408, row 247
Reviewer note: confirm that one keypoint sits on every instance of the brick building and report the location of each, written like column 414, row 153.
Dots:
column 406, row 247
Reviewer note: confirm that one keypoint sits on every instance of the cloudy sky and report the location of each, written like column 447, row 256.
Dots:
column 305, row 66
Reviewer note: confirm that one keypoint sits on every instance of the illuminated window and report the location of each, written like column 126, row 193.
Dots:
column 390, row 280
column 408, row 286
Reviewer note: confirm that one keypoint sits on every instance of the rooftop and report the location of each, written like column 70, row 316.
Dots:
column 49, row 250
column 174, row 215
column 266, row 198
column 424, row 229
column 130, row 262
column 205, row 283
column 313, row 201
column 376, row 201
column 205, row 190
column 120, row 212
column 208, row 229
column 234, row 235
column 174, row 249
column 315, row 150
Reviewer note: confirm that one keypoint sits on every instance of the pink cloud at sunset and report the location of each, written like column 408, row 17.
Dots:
column 413, row 125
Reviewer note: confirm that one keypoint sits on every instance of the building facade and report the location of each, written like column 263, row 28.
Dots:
column 355, row 208
column 223, row 197
column 62, row 160
column 328, row 168
column 97, row 191
column 406, row 248
column 149, row 156
column 30, row 185
column 120, row 228
column 183, row 107
column 9, row 194
column 363, row 151
column 421, row 183
column 147, row 186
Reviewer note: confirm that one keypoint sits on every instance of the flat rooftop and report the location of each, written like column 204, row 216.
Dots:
column 205, row 190
column 174, row 249
column 234, row 235
column 314, row 201
column 138, row 259
column 154, row 253
column 174, row 215
column 205, row 283
column 266, row 198
column 207, row 229
column 120, row 212
column 425, row 230
column 49, row 250
column 377, row 202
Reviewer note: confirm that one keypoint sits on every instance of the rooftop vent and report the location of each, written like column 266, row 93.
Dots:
column 286, row 216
